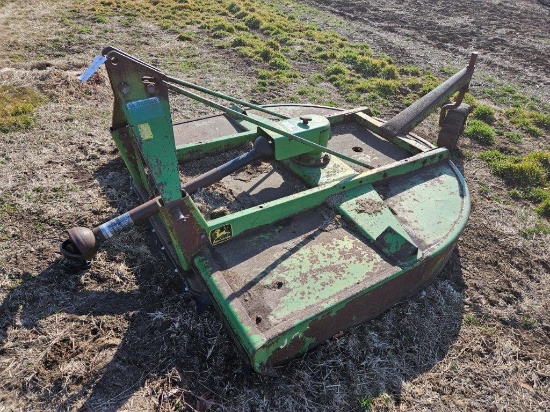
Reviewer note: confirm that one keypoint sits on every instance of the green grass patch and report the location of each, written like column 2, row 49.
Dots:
column 311, row 94
column 506, row 95
column 409, row 71
column 17, row 105
column 7, row 211
column 429, row 82
column 367, row 66
column 529, row 170
column 374, row 402
column 84, row 30
column 530, row 174
column 471, row 100
column 315, row 79
column 543, row 208
column 186, row 36
column 471, row 319
column 365, row 403
column 275, row 39
column 513, row 136
column 540, row 228
column 484, row 189
column 480, row 131
column 531, row 122
column 484, row 113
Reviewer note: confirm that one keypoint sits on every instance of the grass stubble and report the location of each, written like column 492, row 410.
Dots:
column 122, row 334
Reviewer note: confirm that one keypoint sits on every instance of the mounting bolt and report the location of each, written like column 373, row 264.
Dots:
column 177, row 214
column 305, row 119
column 151, row 89
column 124, row 88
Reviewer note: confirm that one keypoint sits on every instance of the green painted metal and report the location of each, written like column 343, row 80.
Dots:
column 273, row 211
column 186, row 151
column 316, row 129
column 309, row 276
column 434, row 210
column 265, row 124
column 152, row 127
column 329, row 256
column 149, row 120
column 368, row 212
column 193, row 150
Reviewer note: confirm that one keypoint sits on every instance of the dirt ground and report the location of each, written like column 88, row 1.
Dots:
column 124, row 335
column 511, row 37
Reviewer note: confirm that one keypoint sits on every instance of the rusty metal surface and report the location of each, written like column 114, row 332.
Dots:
column 361, row 308
column 202, row 129
column 184, row 229
column 270, row 299
column 354, row 140
column 283, row 273
column 406, row 120
column 294, row 284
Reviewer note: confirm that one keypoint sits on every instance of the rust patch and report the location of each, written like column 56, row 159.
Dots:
column 363, row 307
column 184, row 230
column 370, row 206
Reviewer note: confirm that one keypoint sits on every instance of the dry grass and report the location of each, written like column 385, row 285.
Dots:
column 124, row 336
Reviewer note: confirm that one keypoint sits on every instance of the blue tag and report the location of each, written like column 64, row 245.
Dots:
column 146, row 109
column 96, row 64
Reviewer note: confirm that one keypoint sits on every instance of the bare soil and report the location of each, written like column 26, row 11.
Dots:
column 125, row 335
column 511, row 37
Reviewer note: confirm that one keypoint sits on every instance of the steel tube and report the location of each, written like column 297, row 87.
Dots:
column 265, row 125
column 171, row 79
column 83, row 243
column 218, row 173
column 405, row 121
column 128, row 219
column 262, row 151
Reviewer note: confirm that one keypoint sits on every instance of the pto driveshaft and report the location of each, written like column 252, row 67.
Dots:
column 83, row 243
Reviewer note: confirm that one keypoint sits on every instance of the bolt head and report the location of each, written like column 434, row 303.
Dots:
column 124, row 88
column 306, row 119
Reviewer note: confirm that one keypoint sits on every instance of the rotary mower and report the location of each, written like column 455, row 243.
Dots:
column 314, row 219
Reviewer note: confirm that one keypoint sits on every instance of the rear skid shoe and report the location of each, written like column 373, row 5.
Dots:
column 453, row 126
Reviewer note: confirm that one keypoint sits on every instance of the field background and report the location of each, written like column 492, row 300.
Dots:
column 123, row 335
